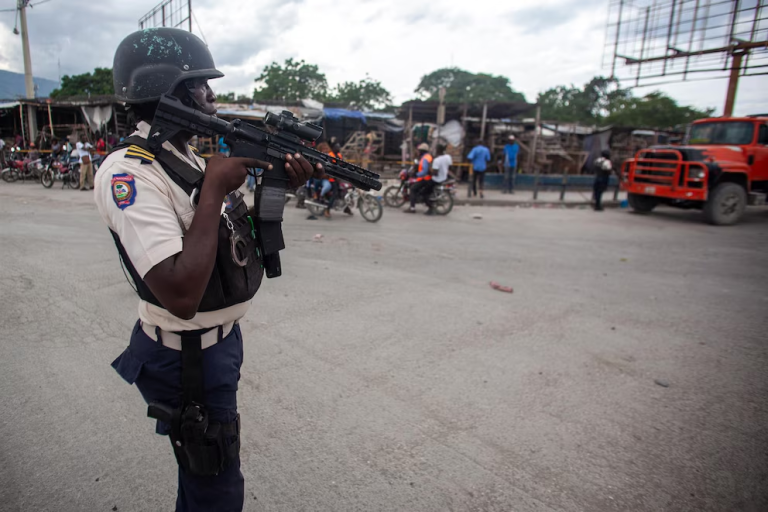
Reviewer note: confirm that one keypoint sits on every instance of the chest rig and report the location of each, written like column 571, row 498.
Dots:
column 238, row 271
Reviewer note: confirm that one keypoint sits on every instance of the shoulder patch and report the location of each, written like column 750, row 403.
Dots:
column 140, row 154
column 123, row 190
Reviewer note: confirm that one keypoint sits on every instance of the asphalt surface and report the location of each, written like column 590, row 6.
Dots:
column 627, row 371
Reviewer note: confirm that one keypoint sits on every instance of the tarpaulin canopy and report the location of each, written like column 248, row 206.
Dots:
column 252, row 114
column 12, row 104
column 451, row 131
column 334, row 114
column 97, row 116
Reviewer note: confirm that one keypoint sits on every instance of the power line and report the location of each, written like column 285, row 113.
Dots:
column 197, row 23
column 29, row 5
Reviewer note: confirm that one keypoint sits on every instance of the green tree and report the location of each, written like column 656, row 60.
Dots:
column 231, row 97
column 96, row 83
column 367, row 94
column 562, row 103
column 462, row 86
column 654, row 110
column 589, row 105
column 603, row 101
column 290, row 81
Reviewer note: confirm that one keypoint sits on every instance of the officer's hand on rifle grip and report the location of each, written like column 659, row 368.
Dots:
column 229, row 174
column 299, row 170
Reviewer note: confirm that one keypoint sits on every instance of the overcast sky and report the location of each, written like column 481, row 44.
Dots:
column 536, row 43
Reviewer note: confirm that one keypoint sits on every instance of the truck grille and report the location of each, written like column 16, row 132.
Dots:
column 658, row 168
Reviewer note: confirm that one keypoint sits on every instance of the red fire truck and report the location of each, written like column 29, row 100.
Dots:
column 722, row 168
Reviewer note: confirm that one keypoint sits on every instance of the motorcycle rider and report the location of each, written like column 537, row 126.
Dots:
column 56, row 148
column 423, row 176
column 330, row 186
column 440, row 173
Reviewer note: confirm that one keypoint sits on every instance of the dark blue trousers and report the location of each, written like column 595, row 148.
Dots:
column 156, row 371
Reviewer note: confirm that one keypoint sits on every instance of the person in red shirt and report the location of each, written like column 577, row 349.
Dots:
column 101, row 145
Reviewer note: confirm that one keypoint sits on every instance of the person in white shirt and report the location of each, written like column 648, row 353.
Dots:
column 440, row 173
column 86, row 167
column 602, row 168
column 441, row 165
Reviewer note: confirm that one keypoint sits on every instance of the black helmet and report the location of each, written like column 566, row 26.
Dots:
column 606, row 153
column 152, row 62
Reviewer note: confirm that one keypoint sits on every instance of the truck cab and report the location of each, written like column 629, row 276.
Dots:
column 721, row 168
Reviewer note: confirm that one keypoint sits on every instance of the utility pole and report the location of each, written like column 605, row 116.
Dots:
column 29, row 83
column 532, row 153
column 733, row 83
column 440, row 118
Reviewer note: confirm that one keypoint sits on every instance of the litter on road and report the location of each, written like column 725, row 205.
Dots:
column 501, row 288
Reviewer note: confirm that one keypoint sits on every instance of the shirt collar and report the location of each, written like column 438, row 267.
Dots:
column 142, row 130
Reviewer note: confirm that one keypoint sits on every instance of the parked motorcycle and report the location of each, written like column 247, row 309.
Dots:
column 367, row 203
column 22, row 168
column 60, row 169
column 15, row 165
column 442, row 195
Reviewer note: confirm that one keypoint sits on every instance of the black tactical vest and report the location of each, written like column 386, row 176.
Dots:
column 230, row 283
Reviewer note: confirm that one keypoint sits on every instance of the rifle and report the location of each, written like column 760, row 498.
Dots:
column 246, row 140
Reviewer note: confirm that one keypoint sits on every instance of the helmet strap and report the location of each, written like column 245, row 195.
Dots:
column 189, row 99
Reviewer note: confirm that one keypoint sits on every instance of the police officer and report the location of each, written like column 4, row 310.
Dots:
column 602, row 168
column 186, row 349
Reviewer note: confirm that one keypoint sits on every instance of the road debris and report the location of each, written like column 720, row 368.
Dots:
column 477, row 216
column 318, row 238
column 501, row 288
column 661, row 383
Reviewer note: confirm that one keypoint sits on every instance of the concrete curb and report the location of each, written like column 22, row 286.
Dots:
column 523, row 203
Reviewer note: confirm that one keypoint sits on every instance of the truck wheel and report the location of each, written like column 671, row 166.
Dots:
column 726, row 204
column 641, row 203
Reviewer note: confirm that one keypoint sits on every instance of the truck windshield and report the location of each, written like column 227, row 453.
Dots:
column 736, row 132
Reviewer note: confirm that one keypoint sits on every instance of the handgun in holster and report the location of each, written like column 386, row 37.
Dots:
column 201, row 447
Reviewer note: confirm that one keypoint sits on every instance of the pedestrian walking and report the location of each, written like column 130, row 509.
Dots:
column 602, row 168
column 480, row 155
column 511, row 150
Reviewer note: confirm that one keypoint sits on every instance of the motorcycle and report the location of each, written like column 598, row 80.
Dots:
column 441, row 197
column 60, row 169
column 367, row 203
column 15, row 163
column 22, row 168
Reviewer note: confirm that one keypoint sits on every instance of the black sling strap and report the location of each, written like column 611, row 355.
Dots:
column 192, row 366
column 183, row 174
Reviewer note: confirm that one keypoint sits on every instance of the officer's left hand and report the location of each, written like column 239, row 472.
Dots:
column 299, row 170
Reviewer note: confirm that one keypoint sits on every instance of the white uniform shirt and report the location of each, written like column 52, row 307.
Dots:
column 150, row 215
column 82, row 150
column 442, row 164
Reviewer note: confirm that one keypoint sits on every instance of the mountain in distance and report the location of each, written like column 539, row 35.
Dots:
column 12, row 86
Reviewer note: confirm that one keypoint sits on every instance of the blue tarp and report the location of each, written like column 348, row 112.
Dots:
column 335, row 114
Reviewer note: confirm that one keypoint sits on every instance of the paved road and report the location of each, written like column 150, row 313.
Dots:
column 382, row 372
